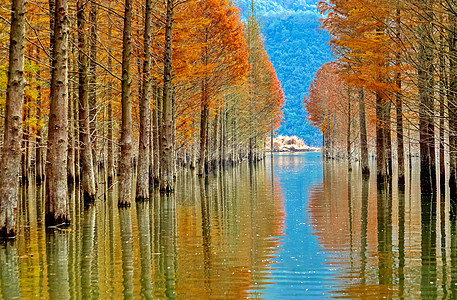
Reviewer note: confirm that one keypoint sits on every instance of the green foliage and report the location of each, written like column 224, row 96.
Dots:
column 297, row 48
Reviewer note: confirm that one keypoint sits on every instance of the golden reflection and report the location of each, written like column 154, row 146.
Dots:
column 216, row 237
column 386, row 241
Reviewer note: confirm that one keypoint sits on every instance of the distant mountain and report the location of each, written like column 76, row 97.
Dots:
column 297, row 48
column 276, row 6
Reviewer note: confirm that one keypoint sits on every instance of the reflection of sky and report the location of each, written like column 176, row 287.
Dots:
column 301, row 271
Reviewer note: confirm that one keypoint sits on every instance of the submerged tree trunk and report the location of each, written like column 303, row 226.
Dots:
column 156, row 125
column 348, row 135
column 71, row 137
column 381, row 159
column 93, row 82
column 399, row 115
column 363, row 134
column 57, row 208
column 426, row 109
column 87, row 166
column 39, row 174
column 11, row 151
column 168, row 157
column 202, row 163
column 111, row 168
column 125, row 166
column 142, row 187
column 452, row 107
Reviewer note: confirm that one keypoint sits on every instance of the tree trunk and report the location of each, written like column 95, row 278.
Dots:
column 425, row 89
column 125, row 167
column 71, row 141
column 202, row 163
column 93, row 82
column 110, row 120
column 87, row 166
column 381, row 161
column 442, row 93
column 142, row 187
column 39, row 177
column 11, row 152
column 168, row 158
column 156, row 125
column 348, row 135
column 57, row 208
column 399, row 110
column 363, row 134
column 452, row 106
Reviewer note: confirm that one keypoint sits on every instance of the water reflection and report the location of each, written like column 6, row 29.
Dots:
column 216, row 237
column 294, row 227
column 402, row 247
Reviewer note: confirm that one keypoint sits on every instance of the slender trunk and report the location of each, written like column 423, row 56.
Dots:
column 57, row 208
column 93, row 82
column 348, row 135
column 125, row 167
column 110, row 119
column 425, row 86
column 442, row 93
column 39, row 177
column 168, row 158
column 203, row 131
column 388, row 137
column 71, row 142
column 363, row 134
column 142, row 187
column 11, row 151
column 399, row 112
column 24, row 142
column 87, row 166
column 156, row 125
column 381, row 161
column 452, row 106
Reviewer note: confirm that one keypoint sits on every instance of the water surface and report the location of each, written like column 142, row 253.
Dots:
column 289, row 228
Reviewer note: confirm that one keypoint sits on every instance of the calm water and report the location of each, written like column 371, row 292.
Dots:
column 291, row 228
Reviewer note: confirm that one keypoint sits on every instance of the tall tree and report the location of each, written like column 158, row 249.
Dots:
column 86, row 160
column 142, row 187
column 57, row 209
column 11, row 151
column 125, row 163
column 425, row 83
column 167, row 165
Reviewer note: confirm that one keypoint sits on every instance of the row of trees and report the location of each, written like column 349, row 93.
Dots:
column 395, row 69
column 173, row 83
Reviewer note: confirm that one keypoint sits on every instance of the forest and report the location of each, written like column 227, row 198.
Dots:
column 132, row 91
column 391, row 90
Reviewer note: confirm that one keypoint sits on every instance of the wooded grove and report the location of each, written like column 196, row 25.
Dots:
column 393, row 85
column 130, row 91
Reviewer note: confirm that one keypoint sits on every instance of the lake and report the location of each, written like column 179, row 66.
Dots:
column 289, row 228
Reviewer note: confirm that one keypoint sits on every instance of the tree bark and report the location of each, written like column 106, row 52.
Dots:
column 87, row 166
column 452, row 106
column 381, row 160
column 363, row 134
column 57, row 209
column 11, row 151
column 142, row 187
column 348, row 135
column 168, row 158
column 110, row 119
column 125, row 167
column 93, row 82
column 426, row 109
column 202, row 163
column 71, row 141
column 39, row 174
column 156, row 125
